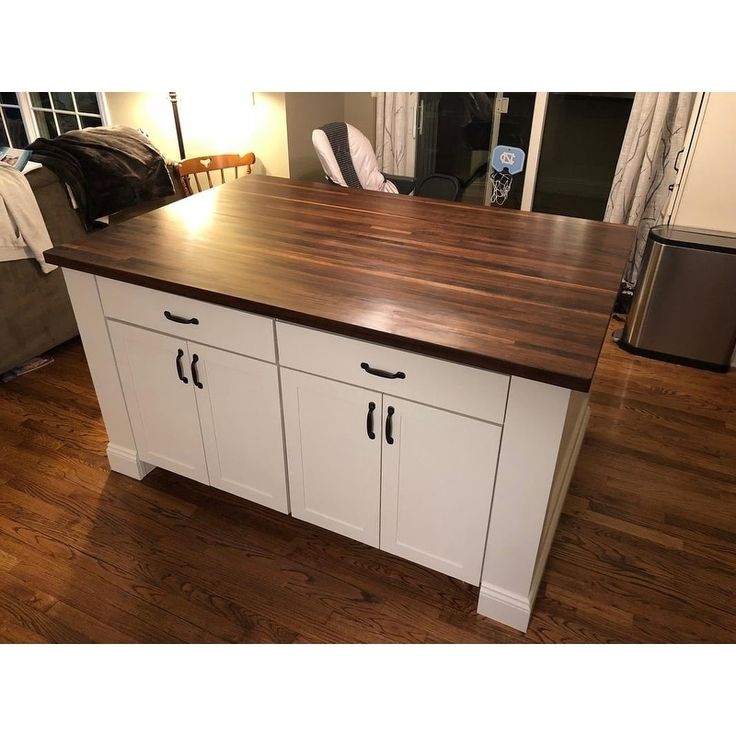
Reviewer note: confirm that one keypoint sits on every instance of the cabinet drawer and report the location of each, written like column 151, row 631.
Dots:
column 220, row 327
column 459, row 388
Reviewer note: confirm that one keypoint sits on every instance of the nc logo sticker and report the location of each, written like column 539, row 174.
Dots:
column 508, row 157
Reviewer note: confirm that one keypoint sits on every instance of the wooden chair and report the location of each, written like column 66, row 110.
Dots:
column 191, row 167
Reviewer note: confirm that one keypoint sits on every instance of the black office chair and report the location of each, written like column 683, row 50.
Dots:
column 438, row 186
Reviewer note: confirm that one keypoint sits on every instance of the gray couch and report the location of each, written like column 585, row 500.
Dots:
column 35, row 312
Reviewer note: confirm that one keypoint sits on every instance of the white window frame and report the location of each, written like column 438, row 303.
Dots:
column 29, row 118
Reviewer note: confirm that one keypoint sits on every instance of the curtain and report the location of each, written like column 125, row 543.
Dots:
column 640, row 192
column 394, row 139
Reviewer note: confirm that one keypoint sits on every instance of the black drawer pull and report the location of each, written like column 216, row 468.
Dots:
column 381, row 374
column 195, row 372
column 179, row 371
column 369, row 421
column 181, row 320
column 389, row 425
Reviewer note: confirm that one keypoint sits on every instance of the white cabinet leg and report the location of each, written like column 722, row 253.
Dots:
column 121, row 450
column 542, row 433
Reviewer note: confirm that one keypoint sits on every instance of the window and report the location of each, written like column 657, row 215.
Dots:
column 12, row 130
column 26, row 116
column 59, row 112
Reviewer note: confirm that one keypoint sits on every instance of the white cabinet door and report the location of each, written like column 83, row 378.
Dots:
column 161, row 404
column 240, row 411
column 334, row 465
column 436, row 487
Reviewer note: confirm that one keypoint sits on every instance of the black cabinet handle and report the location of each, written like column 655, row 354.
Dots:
column 195, row 373
column 369, row 421
column 179, row 371
column 389, row 425
column 181, row 320
column 381, row 374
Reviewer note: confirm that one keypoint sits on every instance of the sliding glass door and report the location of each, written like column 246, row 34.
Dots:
column 571, row 143
column 581, row 141
column 457, row 131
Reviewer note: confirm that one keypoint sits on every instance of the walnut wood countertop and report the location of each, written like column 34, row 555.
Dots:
column 521, row 293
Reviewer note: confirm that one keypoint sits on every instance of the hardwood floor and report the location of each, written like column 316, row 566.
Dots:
column 645, row 550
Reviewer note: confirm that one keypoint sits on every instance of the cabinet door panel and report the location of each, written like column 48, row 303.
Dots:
column 240, row 411
column 334, row 467
column 437, row 484
column 162, row 408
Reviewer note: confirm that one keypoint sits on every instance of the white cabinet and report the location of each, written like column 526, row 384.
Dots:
column 334, row 463
column 419, row 488
column 240, row 414
column 161, row 404
column 205, row 413
column 436, row 487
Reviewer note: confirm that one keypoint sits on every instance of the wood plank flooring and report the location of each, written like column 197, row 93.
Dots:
column 645, row 550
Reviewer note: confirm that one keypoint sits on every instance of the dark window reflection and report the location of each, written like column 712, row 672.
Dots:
column 46, row 125
column 16, row 129
column 63, row 101
column 67, row 122
column 456, row 138
column 581, row 142
column 40, row 99
column 87, row 102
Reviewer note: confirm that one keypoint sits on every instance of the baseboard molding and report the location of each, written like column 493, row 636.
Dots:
column 126, row 461
column 504, row 606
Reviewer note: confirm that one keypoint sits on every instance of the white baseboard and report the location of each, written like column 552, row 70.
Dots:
column 126, row 461
column 503, row 606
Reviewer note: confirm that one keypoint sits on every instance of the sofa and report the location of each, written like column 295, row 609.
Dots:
column 35, row 312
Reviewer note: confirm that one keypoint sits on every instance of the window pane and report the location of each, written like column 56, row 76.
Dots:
column 62, row 100
column 46, row 125
column 67, row 122
column 40, row 99
column 16, row 129
column 8, row 98
column 581, row 142
column 515, row 130
column 87, row 102
column 90, row 122
column 3, row 138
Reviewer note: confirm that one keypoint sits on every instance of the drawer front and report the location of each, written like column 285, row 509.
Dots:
column 439, row 383
column 220, row 327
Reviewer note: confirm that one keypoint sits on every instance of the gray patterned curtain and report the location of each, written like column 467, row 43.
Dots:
column 394, row 121
column 646, row 166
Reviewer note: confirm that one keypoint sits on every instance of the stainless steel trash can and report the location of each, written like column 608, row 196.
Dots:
column 684, row 307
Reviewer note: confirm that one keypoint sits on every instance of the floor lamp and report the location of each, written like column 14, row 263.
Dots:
column 177, row 123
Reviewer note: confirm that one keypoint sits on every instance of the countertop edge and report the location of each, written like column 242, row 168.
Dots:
column 346, row 329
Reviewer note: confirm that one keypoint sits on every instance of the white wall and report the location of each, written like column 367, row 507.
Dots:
column 212, row 122
column 708, row 191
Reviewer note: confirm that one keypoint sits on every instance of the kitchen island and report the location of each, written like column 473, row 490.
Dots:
column 408, row 372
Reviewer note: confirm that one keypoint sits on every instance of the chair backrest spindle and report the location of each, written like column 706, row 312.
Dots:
column 191, row 167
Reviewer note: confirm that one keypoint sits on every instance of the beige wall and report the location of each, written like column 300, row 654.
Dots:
column 276, row 126
column 306, row 111
column 360, row 111
column 708, row 198
column 212, row 122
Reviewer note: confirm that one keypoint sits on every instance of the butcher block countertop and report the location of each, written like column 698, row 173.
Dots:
column 521, row 293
